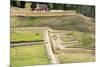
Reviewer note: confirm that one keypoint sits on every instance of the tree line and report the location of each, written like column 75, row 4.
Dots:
column 87, row 10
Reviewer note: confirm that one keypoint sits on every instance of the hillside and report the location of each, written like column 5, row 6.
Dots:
column 76, row 22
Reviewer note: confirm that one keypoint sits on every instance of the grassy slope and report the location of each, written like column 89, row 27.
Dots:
column 26, row 36
column 75, row 22
column 28, row 55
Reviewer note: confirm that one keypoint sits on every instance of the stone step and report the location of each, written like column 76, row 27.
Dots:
column 70, row 45
column 70, row 42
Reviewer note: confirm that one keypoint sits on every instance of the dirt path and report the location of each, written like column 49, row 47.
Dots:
column 49, row 50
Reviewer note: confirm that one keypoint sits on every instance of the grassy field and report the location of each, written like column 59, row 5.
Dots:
column 26, row 36
column 76, row 58
column 28, row 55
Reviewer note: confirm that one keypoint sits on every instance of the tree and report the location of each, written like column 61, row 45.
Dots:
column 51, row 6
column 13, row 3
column 22, row 4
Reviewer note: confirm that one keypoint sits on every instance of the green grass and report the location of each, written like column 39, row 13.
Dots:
column 26, row 36
column 75, row 22
column 28, row 55
column 87, row 40
column 76, row 58
column 67, row 39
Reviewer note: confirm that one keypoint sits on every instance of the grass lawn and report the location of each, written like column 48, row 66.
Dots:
column 28, row 55
column 26, row 35
column 76, row 58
